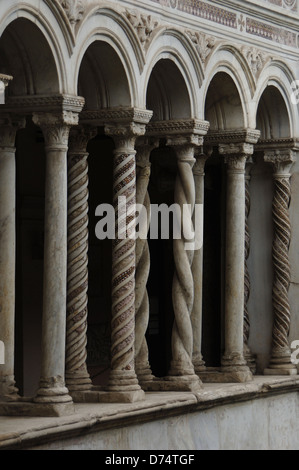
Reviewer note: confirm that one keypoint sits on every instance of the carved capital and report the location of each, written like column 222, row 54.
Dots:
column 79, row 138
column 282, row 161
column 56, row 128
column 4, row 81
column 236, row 155
column 144, row 146
column 9, row 126
column 201, row 159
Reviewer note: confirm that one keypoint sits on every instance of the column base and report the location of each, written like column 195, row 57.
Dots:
column 123, row 387
column 78, row 381
column 144, row 376
column 224, row 375
column 52, row 391
column 8, row 390
column 281, row 364
column 27, row 408
column 281, row 371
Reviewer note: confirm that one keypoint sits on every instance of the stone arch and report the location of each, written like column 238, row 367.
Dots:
column 173, row 49
column 34, row 45
column 224, row 107
column 276, row 116
column 230, row 60
column 106, row 34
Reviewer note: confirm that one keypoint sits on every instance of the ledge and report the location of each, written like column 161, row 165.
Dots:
column 21, row 433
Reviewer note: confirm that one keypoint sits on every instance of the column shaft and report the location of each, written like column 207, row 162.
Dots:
column 233, row 360
column 197, row 269
column 77, row 377
column 123, row 383
column 52, row 383
column 280, row 363
column 182, row 369
column 143, row 169
column 8, row 390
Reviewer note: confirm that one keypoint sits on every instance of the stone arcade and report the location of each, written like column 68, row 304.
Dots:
column 186, row 102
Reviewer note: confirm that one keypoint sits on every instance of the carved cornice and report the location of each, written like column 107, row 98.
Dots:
column 179, row 133
column 215, row 137
column 144, row 25
column 101, row 117
column 276, row 144
column 204, row 44
column 178, row 127
column 44, row 103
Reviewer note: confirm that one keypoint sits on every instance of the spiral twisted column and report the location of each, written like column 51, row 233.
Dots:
column 77, row 377
column 8, row 130
column 247, row 285
column 56, row 129
column 197, row 265
column 182, row 369
column 233, row 362
column 143, row 171
column 280, row 362
column 123, row 383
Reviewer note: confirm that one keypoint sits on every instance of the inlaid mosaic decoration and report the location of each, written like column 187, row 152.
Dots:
column 230, row 19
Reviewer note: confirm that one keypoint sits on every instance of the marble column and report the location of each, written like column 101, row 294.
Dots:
column 52, row 389
column 233, row 362
column 182, row 372
column 250, row 359
column 77, row 376
column 197, row 267
column 123, row 383
column 144, row 147
column 280, row 362
column 8, row 129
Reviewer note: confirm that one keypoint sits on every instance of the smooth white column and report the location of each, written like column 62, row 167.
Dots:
column 8, row 129
column 56, row 129
column 233, row 361
column 197, row 268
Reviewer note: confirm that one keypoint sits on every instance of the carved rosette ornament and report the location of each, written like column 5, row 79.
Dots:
column 203, row 43
column 280, row 362
column 143, row 171
column 74, row 10
column 256, row 59
column 144, row 25
column 77, row 377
